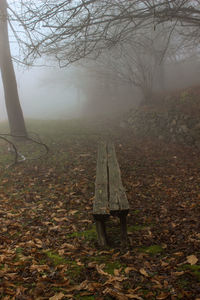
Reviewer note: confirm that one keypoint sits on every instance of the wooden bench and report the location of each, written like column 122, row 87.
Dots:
column 110, row 197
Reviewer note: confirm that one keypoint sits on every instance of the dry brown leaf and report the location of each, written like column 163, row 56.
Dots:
column 129, row 269
column 162, row 296
column 72, row 212
column 179, row 253
column 164, row 264
column 60, row 219
column 178, row 273
column 100, row 271
column 57, row 296
column 132, row 296
column 144, row 272
column 69, row 246
column 192, row 259
column 39, row 268
column 116, row 272
column 116, row 294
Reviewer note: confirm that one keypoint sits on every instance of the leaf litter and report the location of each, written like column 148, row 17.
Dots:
column 48, row 244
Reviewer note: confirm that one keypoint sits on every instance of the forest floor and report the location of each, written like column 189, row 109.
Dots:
column 48, row 242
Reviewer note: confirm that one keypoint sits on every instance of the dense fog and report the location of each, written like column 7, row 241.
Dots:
column 54, row 93
column 147, row 60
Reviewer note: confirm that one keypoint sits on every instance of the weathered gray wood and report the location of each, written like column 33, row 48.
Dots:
column 110, row 197
column 117, row 196
column 101, row 232
column 101, row 206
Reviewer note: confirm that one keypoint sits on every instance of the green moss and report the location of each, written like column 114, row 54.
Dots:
column 195, row 270
column 184, row 282
column 19, row 250
column 89, row 234
column 85, row 297
column 100, row 259
column 55, row 258
column 136, row 211
column 110, row 265
column 153, row 250
column 138, row 227
column 74, row 272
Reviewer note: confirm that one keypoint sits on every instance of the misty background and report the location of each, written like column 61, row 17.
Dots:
column 54, row 93
column 103, row 86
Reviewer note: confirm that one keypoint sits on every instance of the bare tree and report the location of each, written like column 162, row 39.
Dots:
column 14, row 111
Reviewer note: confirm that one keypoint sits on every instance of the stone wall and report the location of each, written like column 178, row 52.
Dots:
column 170, row 125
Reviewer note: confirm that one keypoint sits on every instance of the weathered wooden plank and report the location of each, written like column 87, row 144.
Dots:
column 117, row 196
column 100, row 206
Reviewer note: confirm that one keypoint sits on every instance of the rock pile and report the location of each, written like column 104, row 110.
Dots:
column 170, row 125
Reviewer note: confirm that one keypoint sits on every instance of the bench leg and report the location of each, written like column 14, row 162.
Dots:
column 101, row 232
column 123, row 226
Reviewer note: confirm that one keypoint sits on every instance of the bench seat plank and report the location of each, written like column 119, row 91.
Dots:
column 117, row 197
column 101, row 207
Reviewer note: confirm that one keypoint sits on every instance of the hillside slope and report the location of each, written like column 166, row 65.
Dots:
column 174, row 117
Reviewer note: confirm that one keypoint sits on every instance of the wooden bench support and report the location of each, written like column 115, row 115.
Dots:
column 123, row 227
column 101, row 232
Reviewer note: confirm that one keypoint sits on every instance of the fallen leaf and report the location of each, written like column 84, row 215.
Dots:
column 115, row 294
column 192, row 259
column 162, row 296
column 144, row 272
column 57, row 296
column 129, row 269
column 116, row 272
column 178, row 273
column 132, row 296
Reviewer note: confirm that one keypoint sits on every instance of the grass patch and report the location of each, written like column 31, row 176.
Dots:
column 136, row 211
column 85, row 297
column 195, row 270
column 19, row 250
column 89, row 234
column 110, row 265
column 55, row 258
column 137, row 227
column 75, row 272
column 152, row 250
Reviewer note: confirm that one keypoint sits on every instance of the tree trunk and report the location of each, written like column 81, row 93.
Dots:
column 14, row 111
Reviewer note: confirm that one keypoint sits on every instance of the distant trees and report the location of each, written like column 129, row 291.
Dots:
column 14, row 111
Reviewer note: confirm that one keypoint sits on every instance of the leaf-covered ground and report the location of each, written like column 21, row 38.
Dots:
column 48, row 243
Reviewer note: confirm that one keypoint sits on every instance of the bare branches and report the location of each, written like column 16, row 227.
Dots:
column 19, row 157
column 72, row 30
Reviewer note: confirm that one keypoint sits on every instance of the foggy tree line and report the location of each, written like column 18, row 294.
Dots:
column 129, row 41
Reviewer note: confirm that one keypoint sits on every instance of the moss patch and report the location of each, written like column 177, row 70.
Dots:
column 89, row 234
column 137, row 227
column 195, row 270
column 19, row 250
column 55, row 258
column 153, row 250
column 85, row 297
column 74, row 272
column 110, row 265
